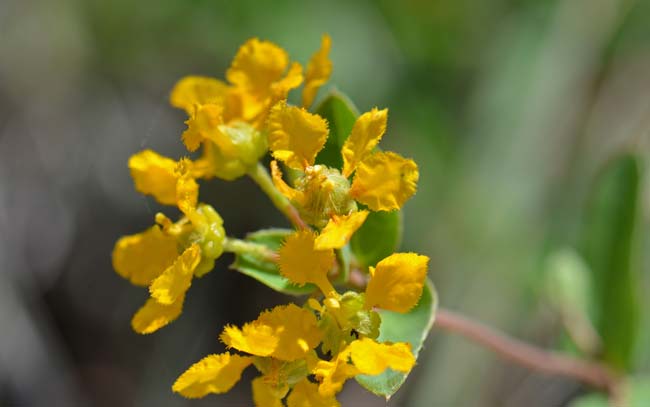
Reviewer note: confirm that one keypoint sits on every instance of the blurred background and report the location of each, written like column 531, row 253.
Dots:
column 510, row 107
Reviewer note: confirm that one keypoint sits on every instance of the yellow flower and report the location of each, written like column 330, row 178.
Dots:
column 228, row 119
column 212, row 374
column 318, row 72
column 396, row 283
column 363, row 356
column 302, row 264
column 167, row 256
column 383, row 181
column 285, row 332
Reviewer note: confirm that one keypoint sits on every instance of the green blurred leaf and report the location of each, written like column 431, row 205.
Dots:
column 341, row 114
column 569, row 289
column 412, row 327
column 264, row 271
column 609, row 249
column 636, row 393
column 378, row 237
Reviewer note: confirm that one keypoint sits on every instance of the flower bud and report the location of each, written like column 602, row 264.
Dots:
column 240, row 148
column 326, row 193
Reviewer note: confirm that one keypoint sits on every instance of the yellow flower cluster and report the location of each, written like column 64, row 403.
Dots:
column 304, row 354
column 286, row 344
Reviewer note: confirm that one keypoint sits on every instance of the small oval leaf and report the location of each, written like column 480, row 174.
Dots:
column 412, row 327
column 340, row 114
column 264, row 271
column 378, row 237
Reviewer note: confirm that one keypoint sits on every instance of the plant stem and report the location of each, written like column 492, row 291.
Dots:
column 261, row 176
column 243, row 247
column 590, row 373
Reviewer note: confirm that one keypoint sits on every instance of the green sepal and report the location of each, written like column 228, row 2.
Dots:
column 412, row 327
column 264, row 270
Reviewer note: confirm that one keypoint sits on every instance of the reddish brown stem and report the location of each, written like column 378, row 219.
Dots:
column 590, row 373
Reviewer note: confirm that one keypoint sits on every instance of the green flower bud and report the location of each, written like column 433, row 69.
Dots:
column 326, row 193
column 242, row 148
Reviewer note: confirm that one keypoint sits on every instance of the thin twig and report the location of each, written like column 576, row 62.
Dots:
column 590, row 373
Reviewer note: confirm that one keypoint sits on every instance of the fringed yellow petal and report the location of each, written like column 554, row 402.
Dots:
column 366, row 133
column 142, row 257
column 203, row 124
column 318, row 72
column 397, row 281
column 187, row 189
column 305, row 394
column 373, row 358
column 292, row 194
column 154, row 315
column 333, row 374
column 213, row 374
column 174, row 282
column 295, row 135
column 302, row 264
column 339, row 230
column 263, row 394
column 285, row 332
column 197, row 90
column 153, row 174
column 292, row 80
column 257, row 65
column 384, row 181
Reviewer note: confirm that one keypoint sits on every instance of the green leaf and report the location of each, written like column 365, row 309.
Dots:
column 412, row 327
column 609, row 249
column 378, row 237
column 340, row 114
column 264, row 271
column 569, row 289
column 635, row 393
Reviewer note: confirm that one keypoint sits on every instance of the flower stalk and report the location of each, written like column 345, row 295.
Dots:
column 261, row 176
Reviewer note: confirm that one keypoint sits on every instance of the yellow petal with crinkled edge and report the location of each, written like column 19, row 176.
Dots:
column 366, row 133
column 154, row 315
column 285, row 332
column 384, row 181
column 305, row 394
column 142, row 257
column 292, row 194
column 302, row 264
column 333, row 374
column 197, row 90
column 318, row 72
column 203, row 124
column 292, row 80
column 213, row 374
column 257, row 65
column 187, row 189
column 295, row 135
column 174, row 282
column 263, row 394
column 153, row 174
column 397, row 281
column 339, row 230
column 373, row 358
